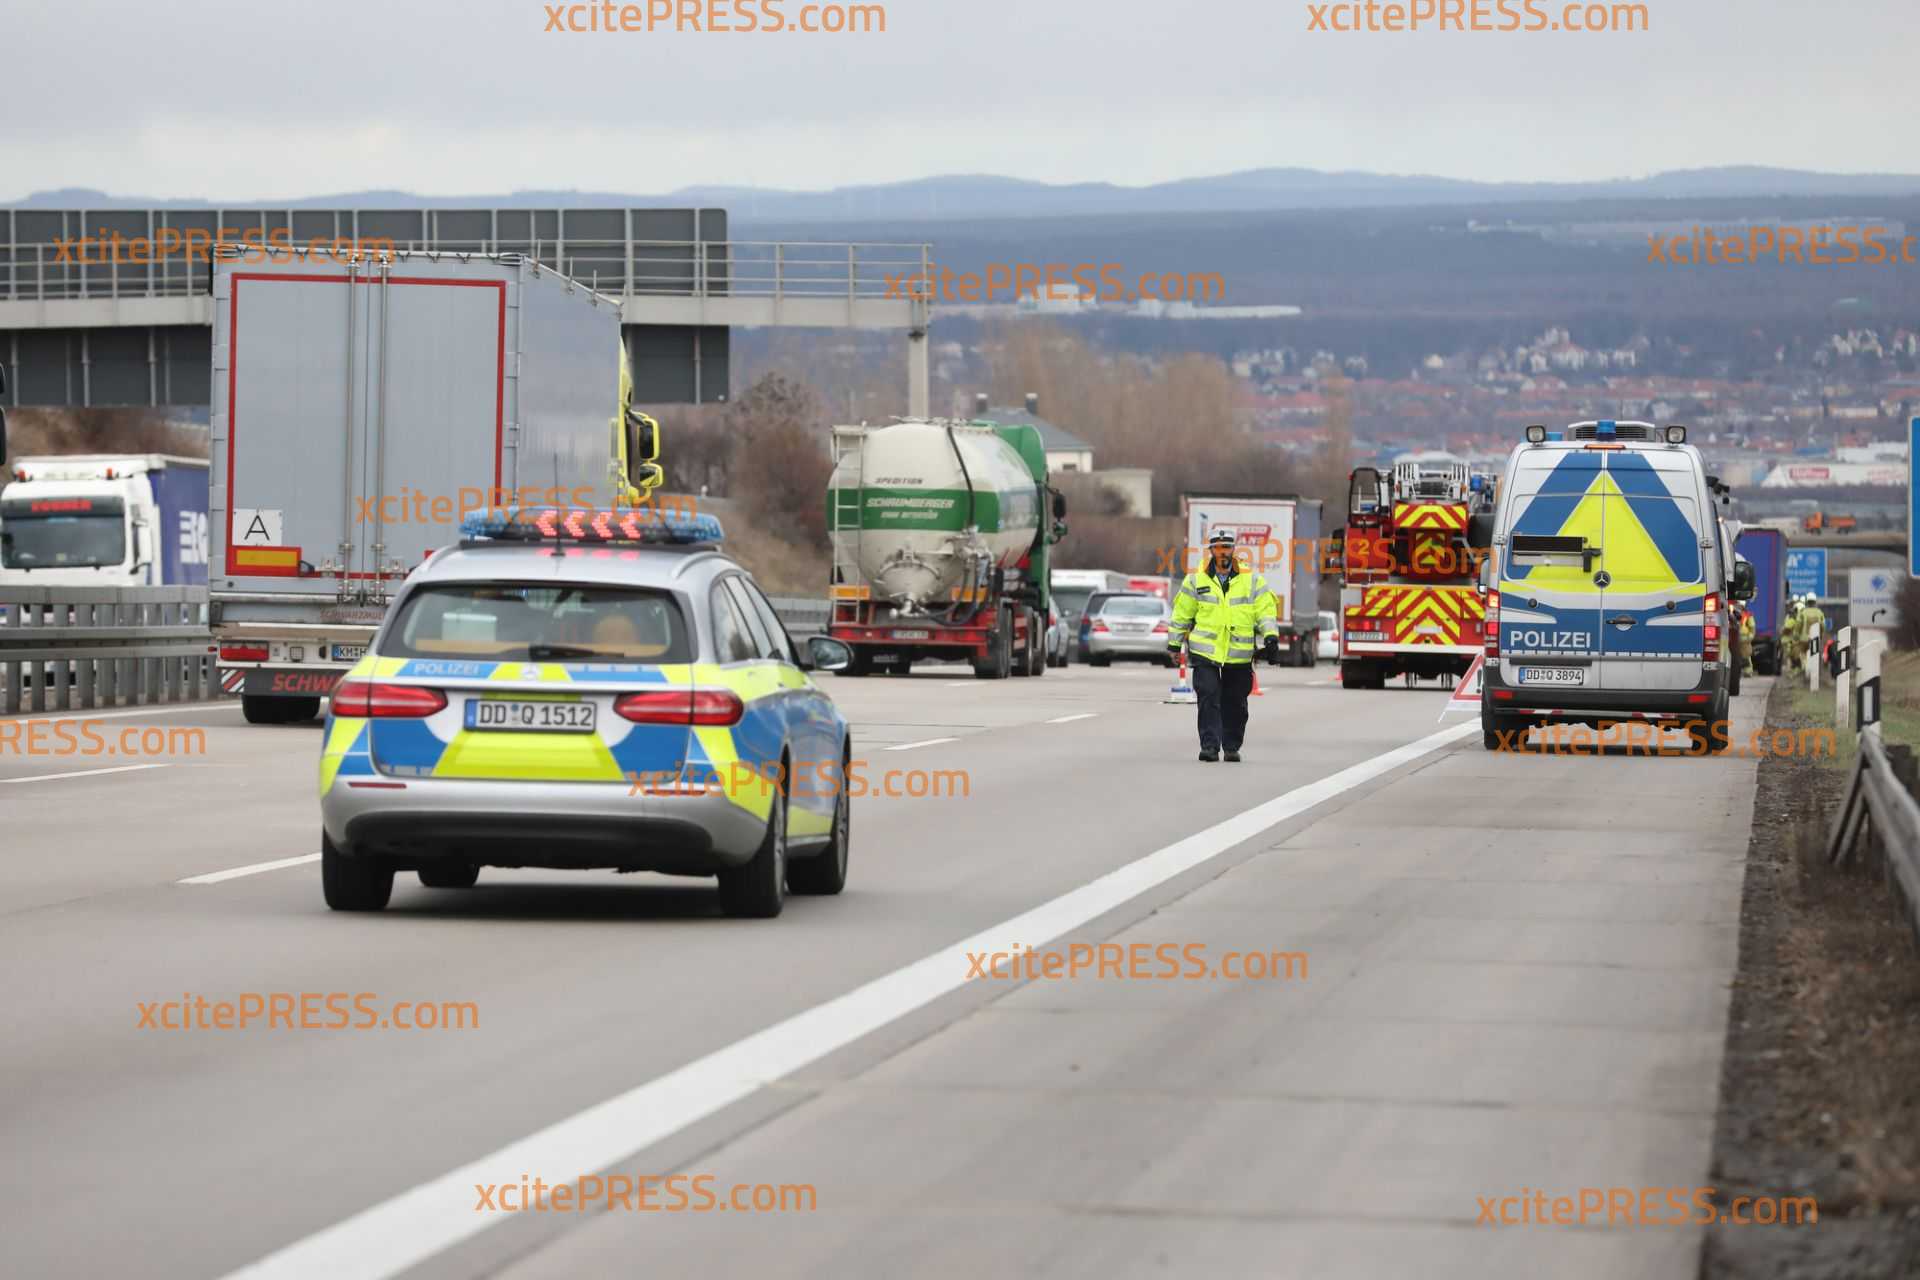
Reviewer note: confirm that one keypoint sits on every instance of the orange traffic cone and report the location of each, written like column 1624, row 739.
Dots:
column 1256, row 681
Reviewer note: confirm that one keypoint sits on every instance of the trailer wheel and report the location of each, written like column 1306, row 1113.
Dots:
column 861, row 664
column 263, row 710
column 1022, row 665
column 998, row 664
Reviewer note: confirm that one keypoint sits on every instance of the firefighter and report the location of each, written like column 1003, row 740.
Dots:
column 1813, row 622
column 1790, row 640
column 1221, row 609
column 1746, row 641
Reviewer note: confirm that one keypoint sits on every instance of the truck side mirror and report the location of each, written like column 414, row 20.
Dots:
column 1480, row 530
column 3, row 415
column 1059, row 505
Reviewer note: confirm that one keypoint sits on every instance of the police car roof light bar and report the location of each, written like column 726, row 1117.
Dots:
column 640, row 525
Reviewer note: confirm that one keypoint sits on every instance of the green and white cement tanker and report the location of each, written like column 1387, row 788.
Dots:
column 940, row 535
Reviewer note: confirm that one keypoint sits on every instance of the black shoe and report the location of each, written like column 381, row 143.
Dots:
column 1209, row 756
column 1233, row 757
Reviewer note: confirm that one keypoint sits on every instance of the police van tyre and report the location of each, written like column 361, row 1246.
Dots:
column 450, row 875
column 758, row 890
column 1733, row 677
column 826, row 872
column 1495, row 727
column 353, row 884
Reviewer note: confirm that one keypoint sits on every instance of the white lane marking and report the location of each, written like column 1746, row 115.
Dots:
column 1084, row 715
column 1328, row 680
column 961, row 684
column 28, row 716
column 416, row 1224
column 81, row 773
column 215, row 877
column 930, row 742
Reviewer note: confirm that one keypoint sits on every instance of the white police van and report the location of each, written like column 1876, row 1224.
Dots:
column 1607, row 585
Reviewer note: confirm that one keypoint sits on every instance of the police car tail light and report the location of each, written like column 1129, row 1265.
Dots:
column 363, row 699
column 1710, row 633
column 681, row 706
column 1492, row 625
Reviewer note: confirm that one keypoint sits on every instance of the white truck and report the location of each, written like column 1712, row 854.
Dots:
column 104, row 520
column 1279, row 537
column 361, row 408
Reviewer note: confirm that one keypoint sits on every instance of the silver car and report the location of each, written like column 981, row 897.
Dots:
column 1129, row 627
column 623, row 703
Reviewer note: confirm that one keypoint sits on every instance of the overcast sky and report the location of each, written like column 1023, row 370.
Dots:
column 226, row 100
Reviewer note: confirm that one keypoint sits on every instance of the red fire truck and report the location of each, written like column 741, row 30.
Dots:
column 1407, row 593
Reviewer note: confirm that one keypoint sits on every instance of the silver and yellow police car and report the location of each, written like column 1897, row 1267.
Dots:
column 585, row 690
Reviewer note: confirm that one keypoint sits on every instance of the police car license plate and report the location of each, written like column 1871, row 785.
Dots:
column 530, row 717
column 1553, row 675
column 349, row 652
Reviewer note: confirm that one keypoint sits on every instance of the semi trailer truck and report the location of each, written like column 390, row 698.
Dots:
column 361, row 409
column 941, row 532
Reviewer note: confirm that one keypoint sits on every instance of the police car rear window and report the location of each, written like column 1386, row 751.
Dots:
column 545, row 622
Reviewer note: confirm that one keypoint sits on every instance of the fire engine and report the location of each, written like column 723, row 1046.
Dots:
column 1407, row 593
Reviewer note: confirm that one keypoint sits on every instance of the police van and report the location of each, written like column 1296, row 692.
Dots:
column 1607, row 585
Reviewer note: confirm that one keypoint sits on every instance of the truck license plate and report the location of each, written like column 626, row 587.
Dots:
column 530, row 717
column 1553, row 675
column 913, row 635
column 349, row 652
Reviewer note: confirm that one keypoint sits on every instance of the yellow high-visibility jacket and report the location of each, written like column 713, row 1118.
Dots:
column 1223, row 628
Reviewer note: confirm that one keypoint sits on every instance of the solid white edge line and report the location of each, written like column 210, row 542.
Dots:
column 1084, row 715
column 389, row 1237
column 909, row 746
column 24, row 717
column 215, row 877
column 83, row 773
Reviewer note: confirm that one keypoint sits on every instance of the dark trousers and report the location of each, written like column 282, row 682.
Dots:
column 1222, row 693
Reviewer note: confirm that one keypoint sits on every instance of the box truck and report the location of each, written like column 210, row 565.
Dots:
column 361, row 409
column 104, row 520
column 1278, row 537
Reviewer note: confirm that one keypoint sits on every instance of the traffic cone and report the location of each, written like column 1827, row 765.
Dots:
column 1182, row 691
column 1256, row 681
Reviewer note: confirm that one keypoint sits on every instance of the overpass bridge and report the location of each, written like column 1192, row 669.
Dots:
column 132, row 324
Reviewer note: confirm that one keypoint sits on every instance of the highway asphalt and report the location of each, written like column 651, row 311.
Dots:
column 1516, row 973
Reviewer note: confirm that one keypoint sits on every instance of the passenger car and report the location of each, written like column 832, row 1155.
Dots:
column 1607, row 586
column 1129, row 626
column 1084, row 628
column 1327, row 636
column 559, row 692
column 1059, row 637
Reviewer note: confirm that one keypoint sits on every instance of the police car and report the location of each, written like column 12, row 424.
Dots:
column 1609, row 585
column 585, row 690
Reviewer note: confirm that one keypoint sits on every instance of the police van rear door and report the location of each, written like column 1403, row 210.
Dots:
column 1655, row 562
column 1550, row 599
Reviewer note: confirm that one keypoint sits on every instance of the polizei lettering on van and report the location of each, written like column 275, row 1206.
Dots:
column 1533, row 638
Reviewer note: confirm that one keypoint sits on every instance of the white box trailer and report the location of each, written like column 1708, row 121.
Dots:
column 360, row 408
column 1279, row 537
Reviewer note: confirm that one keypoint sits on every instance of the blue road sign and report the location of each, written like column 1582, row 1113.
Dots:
column 1913, row 489
column 1806, row 571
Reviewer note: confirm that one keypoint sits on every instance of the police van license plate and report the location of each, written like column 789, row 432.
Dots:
column 530, row 717
column 1553, row 675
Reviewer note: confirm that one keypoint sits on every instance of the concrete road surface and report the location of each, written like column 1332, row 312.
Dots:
column 1509, row 975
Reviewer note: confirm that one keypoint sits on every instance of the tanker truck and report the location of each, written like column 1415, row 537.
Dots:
column 940, row 534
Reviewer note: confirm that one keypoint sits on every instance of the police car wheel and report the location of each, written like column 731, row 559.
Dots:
column 450, row 875
column 826, row 872
column 353, row 884
column 759, row 889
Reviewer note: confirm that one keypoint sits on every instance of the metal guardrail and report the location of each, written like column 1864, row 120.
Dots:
column 103, row 646
column 803, row 616
column 1878, row 795
column 618, row 268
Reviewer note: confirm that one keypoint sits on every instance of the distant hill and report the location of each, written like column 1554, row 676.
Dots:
column 985, row 195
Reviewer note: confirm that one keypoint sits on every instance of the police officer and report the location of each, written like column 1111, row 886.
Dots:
column 1221, row 608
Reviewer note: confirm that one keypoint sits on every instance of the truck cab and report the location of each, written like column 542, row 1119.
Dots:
column 96, row 520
